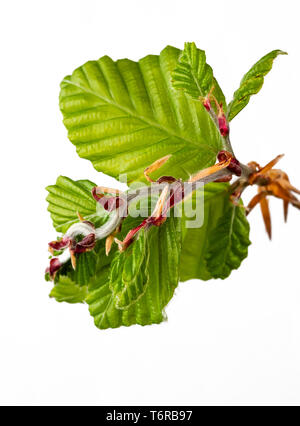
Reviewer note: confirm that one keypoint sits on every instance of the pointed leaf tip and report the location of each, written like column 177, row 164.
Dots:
column 194, row 76
column 252, row 82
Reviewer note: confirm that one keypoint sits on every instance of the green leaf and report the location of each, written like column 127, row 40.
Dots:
column 85, row 268
column 162, row 273
column 228, row 242
column 124, row 115
column 65, row 290
column 128, row 278
column 197, row 242
column 252, row 82
column 67, row 197
column 193, row 75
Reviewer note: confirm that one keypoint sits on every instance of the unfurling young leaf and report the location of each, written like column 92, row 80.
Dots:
column 192, row 73
column 251, row 83
column 195, row 76
column 67, row 198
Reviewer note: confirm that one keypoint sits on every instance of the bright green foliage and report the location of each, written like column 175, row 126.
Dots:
column 124, row 115
column 251, row 83
column 128, row 278
column 195, row 76
column 67, row 197
column 197, row 242
column 162, row 275
column 192, row 73
column 85, row 267
column 65, row 290
column 228, row 242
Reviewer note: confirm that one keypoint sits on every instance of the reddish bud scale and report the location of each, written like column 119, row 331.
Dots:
column 223, row 155
column 176, row 196
column 55, row 265
column 207, row 105
column 89, row 223
column 108, row 203
column 86, row 244
column 224, row 179
column 131, row 234
column 159, row 220
column 223, row 126
column 111, row 203
column 60, row 244
column 234, row 166
column 166, row 179
column 95, row 195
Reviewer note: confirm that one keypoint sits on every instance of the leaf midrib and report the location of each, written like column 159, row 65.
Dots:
column 196, row 80
column 139, row 117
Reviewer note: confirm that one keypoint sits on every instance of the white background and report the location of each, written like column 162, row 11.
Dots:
column 233, row 341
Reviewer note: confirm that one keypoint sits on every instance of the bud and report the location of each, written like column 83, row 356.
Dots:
column 222, row 121
column 206, row 103
column 234, row 165
column 52, row 269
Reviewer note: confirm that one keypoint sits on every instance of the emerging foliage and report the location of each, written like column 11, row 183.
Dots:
column 162, row 279
column 194, row 76
column 251, row 83
column 162, row 120
column 67, row 198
